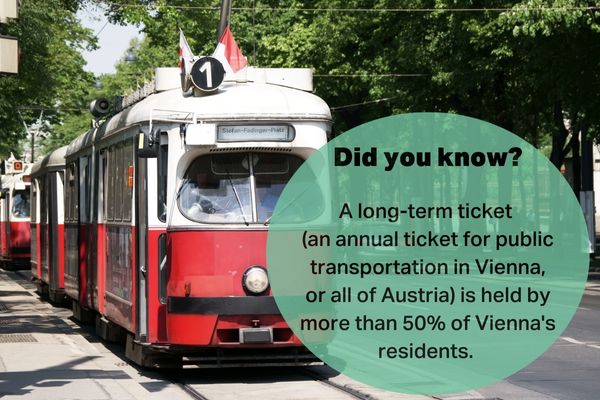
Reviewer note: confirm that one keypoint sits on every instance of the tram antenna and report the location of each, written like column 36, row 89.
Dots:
column 224, row 21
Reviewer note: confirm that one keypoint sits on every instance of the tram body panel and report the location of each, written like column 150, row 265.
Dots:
column 19, row 240
column 211, row 263
column 205, row 287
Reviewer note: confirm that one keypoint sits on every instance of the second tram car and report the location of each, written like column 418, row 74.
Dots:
column 15, row 233
column 47, row 224
column 167, row 206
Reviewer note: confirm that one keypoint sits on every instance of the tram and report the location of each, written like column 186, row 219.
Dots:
column 14, row 215
column 47, row 225
column 166, row 211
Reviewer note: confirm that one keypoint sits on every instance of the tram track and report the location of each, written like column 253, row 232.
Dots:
column 189, row 390
column 262, row 384
column 356, row 394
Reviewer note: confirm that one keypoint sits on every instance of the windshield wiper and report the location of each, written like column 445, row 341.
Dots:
column 237, row 197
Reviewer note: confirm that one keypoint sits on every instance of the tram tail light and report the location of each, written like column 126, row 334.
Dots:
column 130, row 176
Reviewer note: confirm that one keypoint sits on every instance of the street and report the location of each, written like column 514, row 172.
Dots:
column 569, row 370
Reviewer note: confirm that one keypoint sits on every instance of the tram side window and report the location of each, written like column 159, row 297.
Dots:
column 43, row 198
column 163, row 162
column 118, row 192
column 127, row 179
column 110, row 188
column 61, row 177
column 118, row 189
column 71, row 198
column 33, row 204
column 85, row 190
column 103, row 199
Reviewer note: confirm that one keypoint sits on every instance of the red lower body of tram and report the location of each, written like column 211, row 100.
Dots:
column 205, row 291
column 16, row 241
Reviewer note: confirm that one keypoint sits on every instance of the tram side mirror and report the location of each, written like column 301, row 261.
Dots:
column 148, row 144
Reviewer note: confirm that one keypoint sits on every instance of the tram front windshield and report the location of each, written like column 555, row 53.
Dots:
column 237, row 187
column 20, row 203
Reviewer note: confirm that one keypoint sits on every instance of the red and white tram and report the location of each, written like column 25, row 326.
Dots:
column 166, row 213
column 15, row 235
column 47, row 224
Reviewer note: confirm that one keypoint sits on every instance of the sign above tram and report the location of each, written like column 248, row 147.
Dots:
column 255, row 133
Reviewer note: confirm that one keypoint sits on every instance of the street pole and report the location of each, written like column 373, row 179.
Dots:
column 224, row 21
column 586, row 196
column 33, row 135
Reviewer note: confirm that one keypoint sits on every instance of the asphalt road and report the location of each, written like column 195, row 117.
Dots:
column 569, row 370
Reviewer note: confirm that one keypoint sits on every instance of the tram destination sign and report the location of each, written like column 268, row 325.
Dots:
column 252, row 133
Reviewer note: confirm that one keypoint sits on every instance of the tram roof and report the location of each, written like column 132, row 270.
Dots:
column 233, row 102
column 80, row 142
column 54, row 159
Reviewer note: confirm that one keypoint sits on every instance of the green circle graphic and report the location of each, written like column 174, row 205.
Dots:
column 427, row 253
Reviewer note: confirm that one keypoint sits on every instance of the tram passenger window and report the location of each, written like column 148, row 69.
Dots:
column 33, row 211
column 127, row 185
column 163, row 162
column 118, row 188
column 71, row 202
column 110, row 188
column 43, row 198
column 20, row 204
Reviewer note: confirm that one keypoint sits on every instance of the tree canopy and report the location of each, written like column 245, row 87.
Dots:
column 530, row 66
column 51, row 77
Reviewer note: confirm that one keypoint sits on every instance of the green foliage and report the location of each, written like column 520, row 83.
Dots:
column 51, row 75
column 524, row 65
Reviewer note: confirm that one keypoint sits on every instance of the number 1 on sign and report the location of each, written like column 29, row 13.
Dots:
column 206, row 67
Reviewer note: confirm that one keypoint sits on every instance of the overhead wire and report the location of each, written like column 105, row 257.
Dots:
column 366, row 10
column 366, row 75
column 338, row 108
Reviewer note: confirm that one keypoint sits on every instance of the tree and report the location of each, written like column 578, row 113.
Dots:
column 51, row 76
column 524, row 65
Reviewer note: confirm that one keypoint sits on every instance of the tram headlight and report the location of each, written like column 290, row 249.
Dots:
column 255, row 280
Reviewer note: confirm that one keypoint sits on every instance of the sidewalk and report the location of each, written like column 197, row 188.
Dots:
column 44, row 355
